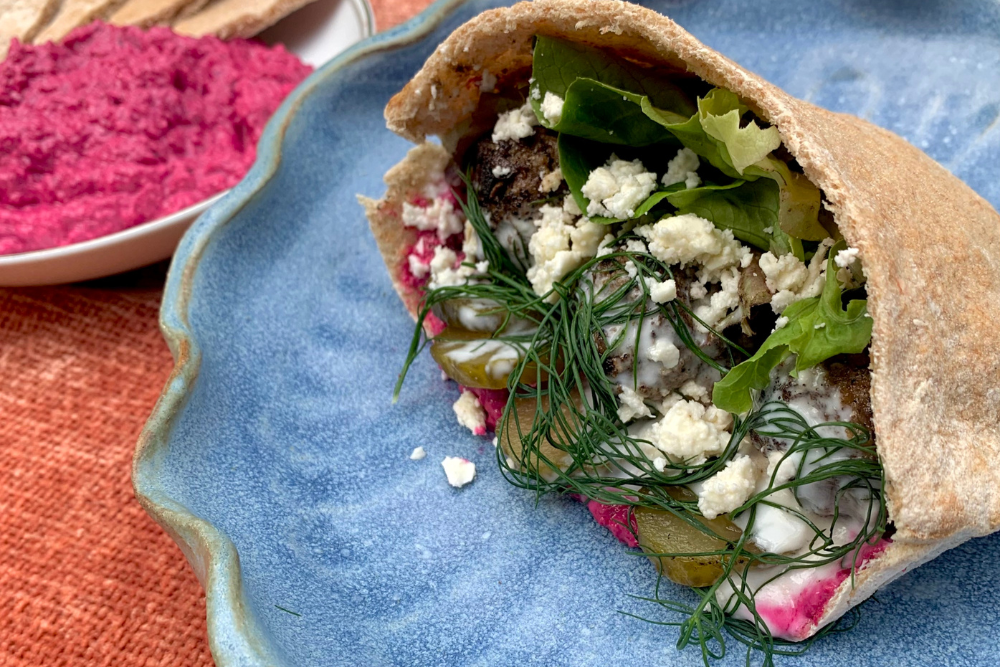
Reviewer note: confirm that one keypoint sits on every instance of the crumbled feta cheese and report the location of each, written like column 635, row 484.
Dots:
column 551, row 181
column 570, row 205
column 659, row 463
column 418, row 454
column 664, row 352
column 536, row 93
column 689, row 432
column 663, row 292
column 516, row 124
column 819, row 326
column 418, row 268
column 488, row 83
column 630, row 405
column 683, row 169
column 692, row 389
column 552, row 107
column 786, row 272
column 500, row 171
column 721, row 308
column 617, row 188
column 636, row 246
column 791, row 280
column 458, row 470
column 440, row 216
column 560, row 246
column 780, row 323
column 684, row 239
column 470, row 413
column 697, row 291
column 445, row 273
column 846, row 257
column 727, row 489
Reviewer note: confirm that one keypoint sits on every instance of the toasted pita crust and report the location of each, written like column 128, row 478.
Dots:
column 237, row 18
column 73, row 14
column 930, row 246
column 146, row 13
column 22, row 19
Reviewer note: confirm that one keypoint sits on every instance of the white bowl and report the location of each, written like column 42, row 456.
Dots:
column 315, row 34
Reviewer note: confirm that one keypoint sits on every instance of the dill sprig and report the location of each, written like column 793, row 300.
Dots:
column 575, row 443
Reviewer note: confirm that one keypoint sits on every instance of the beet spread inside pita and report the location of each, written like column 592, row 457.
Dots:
column 707, row 309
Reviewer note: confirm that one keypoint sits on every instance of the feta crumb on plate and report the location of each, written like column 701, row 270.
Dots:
column 458, row 470
column 418, row 454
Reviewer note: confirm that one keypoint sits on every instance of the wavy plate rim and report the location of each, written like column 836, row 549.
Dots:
column 234, row 636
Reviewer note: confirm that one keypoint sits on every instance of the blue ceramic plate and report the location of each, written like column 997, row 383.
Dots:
column 277, row 461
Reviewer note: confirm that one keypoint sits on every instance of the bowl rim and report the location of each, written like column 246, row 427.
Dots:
column 235, row 637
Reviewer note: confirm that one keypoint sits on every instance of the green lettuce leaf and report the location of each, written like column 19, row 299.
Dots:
column 556, row 64
column 720, row 112
column 749, row 208
column 800, row 200
column 599, row 112
column 817, row 329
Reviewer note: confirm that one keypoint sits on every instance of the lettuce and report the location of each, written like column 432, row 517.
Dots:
column 611, row 105
column 557, row 64
column 749, row 208
column 599, row 112
column 817, row 329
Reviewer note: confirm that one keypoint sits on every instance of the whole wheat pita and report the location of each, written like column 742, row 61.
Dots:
column 935, row 349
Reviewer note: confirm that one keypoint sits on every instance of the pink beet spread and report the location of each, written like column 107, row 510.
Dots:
column 796, row 621
column 493, row 402
column 118, row 126
column 617, row 519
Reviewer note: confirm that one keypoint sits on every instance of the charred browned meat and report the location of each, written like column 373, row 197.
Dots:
column 507, row 175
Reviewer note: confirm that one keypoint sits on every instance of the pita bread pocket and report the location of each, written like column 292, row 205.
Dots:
column 933, row 404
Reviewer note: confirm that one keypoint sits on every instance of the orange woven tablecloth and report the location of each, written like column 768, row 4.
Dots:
column 86, row 577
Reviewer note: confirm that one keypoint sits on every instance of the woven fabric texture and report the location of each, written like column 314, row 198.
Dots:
column 86, row 577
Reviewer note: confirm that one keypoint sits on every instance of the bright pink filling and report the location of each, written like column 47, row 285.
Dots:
column 617, row 519
column 493, row 402
column 797, row 620
column 427, row 242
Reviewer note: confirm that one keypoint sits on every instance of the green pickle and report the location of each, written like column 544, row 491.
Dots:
column 478, row 315
column 660, row 532
column 473, row 359
column 551, row 448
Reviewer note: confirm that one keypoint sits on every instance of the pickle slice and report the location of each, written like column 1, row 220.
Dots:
column 661, row 532
column 470, row 314
column 551, row 448
column 473, row 359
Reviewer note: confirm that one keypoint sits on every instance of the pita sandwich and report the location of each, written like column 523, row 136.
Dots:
column 821, row 353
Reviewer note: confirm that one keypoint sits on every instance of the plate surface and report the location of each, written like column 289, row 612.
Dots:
column 277, row 461
column 316, row 34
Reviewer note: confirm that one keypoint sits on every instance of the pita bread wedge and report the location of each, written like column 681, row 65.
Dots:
column 934, row 345
column 73, row 14
column 237, row 18
column 22, row 19
column 146, row 13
